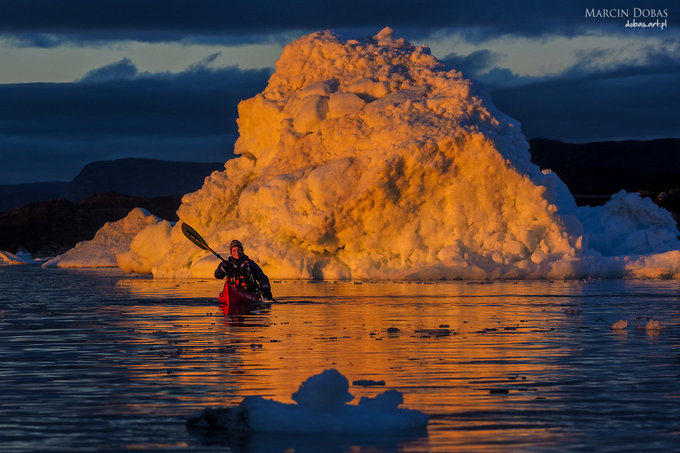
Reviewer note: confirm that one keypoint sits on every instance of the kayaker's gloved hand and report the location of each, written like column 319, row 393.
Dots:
column 221, row 270
column 267, row 293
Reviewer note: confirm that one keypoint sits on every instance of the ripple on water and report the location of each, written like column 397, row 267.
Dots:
column 98, row 359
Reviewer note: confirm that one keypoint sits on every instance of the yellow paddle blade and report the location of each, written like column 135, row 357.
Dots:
column 194, row 237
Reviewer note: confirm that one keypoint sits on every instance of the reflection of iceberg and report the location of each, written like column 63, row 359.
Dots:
column 321, row 408
column 367, row 159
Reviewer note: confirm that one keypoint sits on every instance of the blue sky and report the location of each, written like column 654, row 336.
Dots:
column 83, row 81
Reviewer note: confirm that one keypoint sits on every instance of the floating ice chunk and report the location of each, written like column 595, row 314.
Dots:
column 628, row 225
column 321, row 408
column 657, row 266
column 111, row 239
column 13, row 259
column 620, row 325
column 386, row 401
column 653, row 325
column 368, row 382
column 327, row 391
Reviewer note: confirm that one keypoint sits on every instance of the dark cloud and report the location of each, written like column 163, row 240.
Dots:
column 592, row 100
column 472, row 64
column 479, row 65
column 604, row 106
column 49, row 130
column 123, row 69
column 32, row 159
column 47, row 23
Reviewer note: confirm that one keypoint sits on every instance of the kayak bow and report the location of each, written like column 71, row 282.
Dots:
column 235, row 297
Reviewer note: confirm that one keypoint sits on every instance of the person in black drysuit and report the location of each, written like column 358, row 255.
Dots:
column 244, row 272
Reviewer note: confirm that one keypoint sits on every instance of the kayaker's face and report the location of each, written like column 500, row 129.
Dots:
column 236, row 252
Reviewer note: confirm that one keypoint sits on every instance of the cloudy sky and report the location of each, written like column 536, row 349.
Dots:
column 84, row 80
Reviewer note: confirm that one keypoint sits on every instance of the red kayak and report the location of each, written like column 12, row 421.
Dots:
column 236, row 297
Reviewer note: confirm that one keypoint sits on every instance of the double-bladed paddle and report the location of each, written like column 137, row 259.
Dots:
column 198, row 240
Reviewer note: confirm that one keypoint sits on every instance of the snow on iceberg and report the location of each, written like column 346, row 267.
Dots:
column 147, row 247
column 13, row 259
column 113, row 238
column 368, row 159
column 321, row 408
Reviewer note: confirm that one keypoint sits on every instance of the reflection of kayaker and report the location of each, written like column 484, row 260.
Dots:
column 242, row 272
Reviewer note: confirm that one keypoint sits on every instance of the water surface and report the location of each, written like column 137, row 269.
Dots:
column 94, row 359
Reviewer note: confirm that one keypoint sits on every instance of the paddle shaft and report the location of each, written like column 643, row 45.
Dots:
column 216, row 254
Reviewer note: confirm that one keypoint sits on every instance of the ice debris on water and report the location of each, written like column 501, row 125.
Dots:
column 435, row 332
column 12, row 259
column 620, row 325
column 367, row 383
column 654, row 325
column 321, row 407
column 499, row 391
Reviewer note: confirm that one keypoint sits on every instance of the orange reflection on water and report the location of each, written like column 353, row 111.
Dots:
column 450, row 347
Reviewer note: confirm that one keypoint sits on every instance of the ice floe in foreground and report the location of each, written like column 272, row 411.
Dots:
column 321, row 408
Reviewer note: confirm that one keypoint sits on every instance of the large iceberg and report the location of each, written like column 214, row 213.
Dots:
column 369, row 159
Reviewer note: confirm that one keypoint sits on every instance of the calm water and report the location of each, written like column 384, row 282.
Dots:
column 97, row 360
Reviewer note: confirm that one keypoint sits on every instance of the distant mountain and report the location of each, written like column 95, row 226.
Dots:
column 15, row 195
column 140, row 177
column 592, row 171
column 134, row 177
column 604, row 168
column 595, row 171
column 48, row 228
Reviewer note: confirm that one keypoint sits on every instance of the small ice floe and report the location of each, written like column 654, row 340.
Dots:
column 12, row 259
column 499, row 391
column 621, row 324
column 321, row 408
column 434, row 332
column 654, row 326
column 367, row 383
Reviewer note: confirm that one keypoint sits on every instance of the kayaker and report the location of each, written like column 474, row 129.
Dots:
column 243, row 272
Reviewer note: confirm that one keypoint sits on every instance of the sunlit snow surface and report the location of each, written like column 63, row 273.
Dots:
column 367, row 159
column 13, row 259
column 114, row 238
